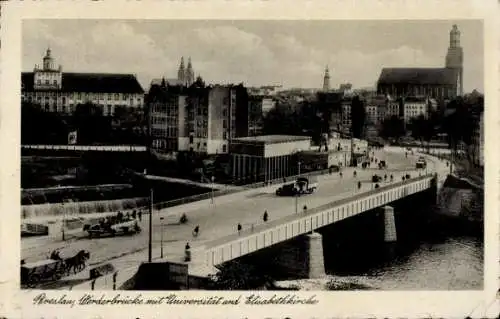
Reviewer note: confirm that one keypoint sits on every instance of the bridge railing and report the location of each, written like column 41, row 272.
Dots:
column 107, row 148
column 228, row 191
column 276, row 222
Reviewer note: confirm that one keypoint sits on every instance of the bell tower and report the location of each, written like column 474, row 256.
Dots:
column 455, row 58
column 326, row 80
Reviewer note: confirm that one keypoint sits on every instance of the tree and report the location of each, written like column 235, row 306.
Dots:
column 358, row 117
column 41, row 127
column 461, row 123
column 392, row 127
column 236, row 275
column 91, row 125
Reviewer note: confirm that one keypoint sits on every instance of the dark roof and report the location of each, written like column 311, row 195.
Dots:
column 430, row 76
column 91, row 82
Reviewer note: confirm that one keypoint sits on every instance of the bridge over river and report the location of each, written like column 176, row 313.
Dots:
column 337, row 198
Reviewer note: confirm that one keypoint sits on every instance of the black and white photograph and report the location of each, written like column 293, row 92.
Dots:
column 252, row 155
column 231, row 160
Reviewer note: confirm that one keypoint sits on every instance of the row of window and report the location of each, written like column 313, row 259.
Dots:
column 84, row 95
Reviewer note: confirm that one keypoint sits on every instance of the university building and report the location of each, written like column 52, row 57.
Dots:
column 58, row 91
column 438, row 83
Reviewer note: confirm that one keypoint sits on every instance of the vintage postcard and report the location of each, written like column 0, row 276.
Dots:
column 249, row 160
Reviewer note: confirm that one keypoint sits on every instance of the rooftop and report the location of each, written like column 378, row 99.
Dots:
column 90, row 83
column 431, row 76
column 272, row 139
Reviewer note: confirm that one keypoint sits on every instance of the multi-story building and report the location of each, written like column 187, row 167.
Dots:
column 376, row 109
column 202, row 119
column 414, row 106
column 439, row 83
column 58, row 91
column 371, row 111
column 346, row 114
column 393, row 107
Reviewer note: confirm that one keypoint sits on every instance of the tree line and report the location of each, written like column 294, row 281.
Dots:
column 458, row 121
column 126, row 126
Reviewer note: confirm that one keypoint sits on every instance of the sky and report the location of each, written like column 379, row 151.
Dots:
column 258, row 52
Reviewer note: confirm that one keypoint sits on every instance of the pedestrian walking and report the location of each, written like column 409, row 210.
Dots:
column 134, row 214
column 265, row 216
column 354, row 174
column 187, row 252
column 340, row 173
column 359, row 185
column 305, row 208
column 392, row 178
column 196, row 231
column 239, row 228
column 385, row 177
column 140, row 215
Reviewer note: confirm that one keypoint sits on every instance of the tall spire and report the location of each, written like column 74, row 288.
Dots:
column 181, row 76
column 189, row 73
column 326, row 80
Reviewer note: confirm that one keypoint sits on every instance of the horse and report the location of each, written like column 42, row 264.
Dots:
column 77, row 262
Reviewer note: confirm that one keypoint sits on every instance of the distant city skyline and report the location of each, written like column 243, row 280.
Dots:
column 289, row 53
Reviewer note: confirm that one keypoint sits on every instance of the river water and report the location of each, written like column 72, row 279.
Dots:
column 443, row 255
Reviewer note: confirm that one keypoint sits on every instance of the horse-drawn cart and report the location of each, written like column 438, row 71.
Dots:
column 43, row 270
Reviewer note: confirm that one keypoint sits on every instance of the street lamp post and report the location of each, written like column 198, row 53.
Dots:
column 161, row 238
column 212, row 179
column 297, row 195
column 63, row 222
column 150, row 241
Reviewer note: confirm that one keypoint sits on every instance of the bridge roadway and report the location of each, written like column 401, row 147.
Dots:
column 215, row 220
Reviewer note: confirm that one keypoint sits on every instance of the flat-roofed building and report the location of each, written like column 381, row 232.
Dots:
column 266, row 157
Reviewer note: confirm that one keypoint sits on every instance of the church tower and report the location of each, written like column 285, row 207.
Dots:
column 181, row 73
column 48, row 61
column 189, row 73
column 326, row 80
column 455, row 58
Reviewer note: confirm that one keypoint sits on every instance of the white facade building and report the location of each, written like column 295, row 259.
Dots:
column 57, row 91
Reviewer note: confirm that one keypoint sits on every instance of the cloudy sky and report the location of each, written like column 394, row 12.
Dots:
column 290, row 53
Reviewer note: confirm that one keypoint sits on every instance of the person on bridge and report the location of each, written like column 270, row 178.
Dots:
column 392, row 178
column 196, row 231
column 305, row 208
column 265, row 216
column 187, row 252
column 239, row 228
column 385, row 177
column 359, row 185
